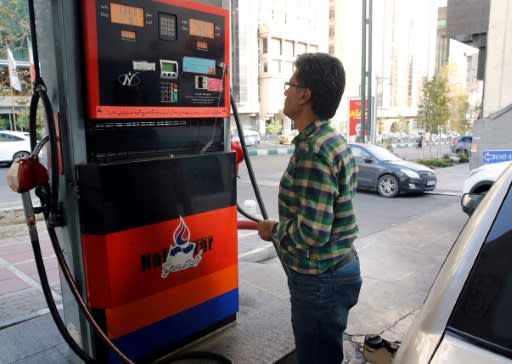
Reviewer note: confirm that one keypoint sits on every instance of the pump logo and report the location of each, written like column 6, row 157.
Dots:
column 181, row 252
column 129, row 79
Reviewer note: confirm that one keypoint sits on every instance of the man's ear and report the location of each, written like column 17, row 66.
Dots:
column 305, row 95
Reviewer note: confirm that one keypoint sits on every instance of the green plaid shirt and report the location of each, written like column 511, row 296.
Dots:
column 317, row 225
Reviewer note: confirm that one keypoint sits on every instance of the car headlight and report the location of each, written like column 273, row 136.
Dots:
column 410, row 173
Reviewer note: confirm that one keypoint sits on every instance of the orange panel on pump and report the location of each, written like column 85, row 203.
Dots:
column 129, row 265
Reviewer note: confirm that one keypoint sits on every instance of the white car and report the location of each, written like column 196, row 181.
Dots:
column 13, row 145
column 467, row 316
column 251, row 137
column 482, row 178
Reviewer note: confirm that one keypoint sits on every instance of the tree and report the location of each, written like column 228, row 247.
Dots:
column 274, row 126
column 459, row 108
column 433, row 111
column 14, row 27
column 14, row 32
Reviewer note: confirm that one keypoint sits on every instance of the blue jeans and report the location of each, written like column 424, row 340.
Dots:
column 320, row 305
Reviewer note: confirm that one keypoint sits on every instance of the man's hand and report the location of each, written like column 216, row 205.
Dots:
column 265, row 229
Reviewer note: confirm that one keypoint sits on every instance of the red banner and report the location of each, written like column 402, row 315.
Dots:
column 354, row 118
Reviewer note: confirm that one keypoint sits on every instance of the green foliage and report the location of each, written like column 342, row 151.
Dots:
column 445, row 161
column 436, row 162
column 4, row 123
column 404, row 125
column 389, row 144
column 433, row 110
column 274, row 127
column 459, row 108
column 463, row 158
column 14, row 32
column 14, row 27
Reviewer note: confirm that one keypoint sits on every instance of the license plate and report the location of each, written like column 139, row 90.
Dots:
column 431, row 183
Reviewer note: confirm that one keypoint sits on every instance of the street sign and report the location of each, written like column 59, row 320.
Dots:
column 496, row 156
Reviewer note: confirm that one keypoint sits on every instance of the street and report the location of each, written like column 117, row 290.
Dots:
column 375, row 213
column 10, row 200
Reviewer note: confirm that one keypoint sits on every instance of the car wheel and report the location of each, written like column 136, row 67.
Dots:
column 387, row 186
column 19, row 155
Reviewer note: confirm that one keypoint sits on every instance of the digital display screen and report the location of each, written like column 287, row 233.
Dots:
column 201, row 28
column 168, row 67
column 127, row 15
column 126, row 34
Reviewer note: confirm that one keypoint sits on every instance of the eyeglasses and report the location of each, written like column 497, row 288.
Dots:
column 287, row 85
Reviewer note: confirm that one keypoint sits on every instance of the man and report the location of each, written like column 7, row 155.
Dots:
column 317, row 226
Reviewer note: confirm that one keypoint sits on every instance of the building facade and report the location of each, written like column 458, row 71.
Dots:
column 498, row 71
column 270, row 36
column 403, row 54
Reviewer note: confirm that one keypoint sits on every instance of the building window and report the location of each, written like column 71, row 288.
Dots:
column 276, row 47
column 331, row 50
column 301, row 48
column 264, row 45
column 287, row 68
column 289, row 48
column 331, row 13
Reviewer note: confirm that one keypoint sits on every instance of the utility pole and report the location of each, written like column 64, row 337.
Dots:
column 366, row 68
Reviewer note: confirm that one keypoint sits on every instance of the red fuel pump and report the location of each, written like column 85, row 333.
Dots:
column 147, row 208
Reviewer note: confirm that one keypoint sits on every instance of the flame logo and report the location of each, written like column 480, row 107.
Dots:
column 181, row 235
column 181, row 254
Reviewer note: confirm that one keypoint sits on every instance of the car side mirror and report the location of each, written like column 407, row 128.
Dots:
column 470, row 202
column 368, row 160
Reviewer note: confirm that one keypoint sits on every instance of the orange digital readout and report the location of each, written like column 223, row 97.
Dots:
column 128, row 15
column 126, row 34
column 201, row 28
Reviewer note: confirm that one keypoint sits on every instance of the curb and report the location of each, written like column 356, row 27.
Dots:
column 289, row 150
column 260, row 152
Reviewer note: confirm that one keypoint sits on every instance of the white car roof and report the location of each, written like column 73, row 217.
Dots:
column 16, row 133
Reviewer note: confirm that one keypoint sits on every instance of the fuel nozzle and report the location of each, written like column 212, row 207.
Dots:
column 237, row 148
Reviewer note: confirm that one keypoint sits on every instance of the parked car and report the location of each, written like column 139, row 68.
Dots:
column 388, row 174
column 462, row 145
column 287, row 136
column 466, row 317
column 251, row 137
column 482, row 178
column 13, row 145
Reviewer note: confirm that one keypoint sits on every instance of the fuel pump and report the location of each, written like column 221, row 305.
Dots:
column 142, row 191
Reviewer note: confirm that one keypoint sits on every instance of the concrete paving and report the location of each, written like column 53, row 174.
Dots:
column 398, row 265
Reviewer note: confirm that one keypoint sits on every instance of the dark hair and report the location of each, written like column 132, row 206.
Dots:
column 324, row 75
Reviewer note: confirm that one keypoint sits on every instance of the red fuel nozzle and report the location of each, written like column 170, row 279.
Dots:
column 237, row 148
column 247, row 225
column 26, row 174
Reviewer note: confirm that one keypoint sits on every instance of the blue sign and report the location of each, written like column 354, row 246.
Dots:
column 496, row 156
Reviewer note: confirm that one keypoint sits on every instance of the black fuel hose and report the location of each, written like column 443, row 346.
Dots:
column 249, row 166
column 36, row 247
column 40, row 94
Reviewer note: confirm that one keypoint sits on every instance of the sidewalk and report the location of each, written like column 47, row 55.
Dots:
column 391, row 295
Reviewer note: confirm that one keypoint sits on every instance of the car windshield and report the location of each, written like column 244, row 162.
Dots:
column 382, row 153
